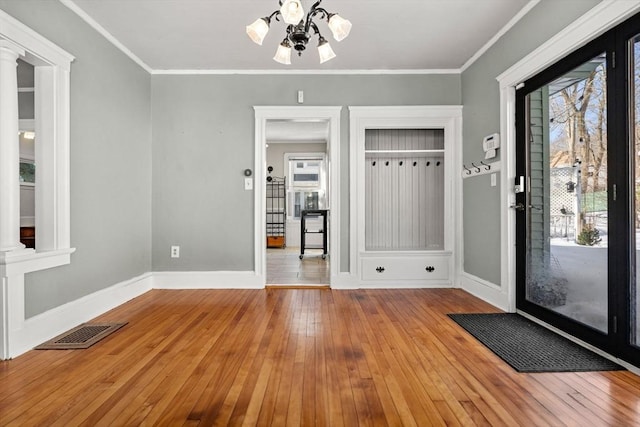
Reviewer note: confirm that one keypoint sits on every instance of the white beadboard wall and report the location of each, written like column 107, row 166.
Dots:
column 404, row 189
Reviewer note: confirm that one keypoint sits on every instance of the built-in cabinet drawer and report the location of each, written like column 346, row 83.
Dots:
column 427, row 267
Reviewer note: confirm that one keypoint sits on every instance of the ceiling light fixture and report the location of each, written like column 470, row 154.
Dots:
column 298, row 30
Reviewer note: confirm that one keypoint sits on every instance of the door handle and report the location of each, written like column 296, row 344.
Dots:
column 518, row 206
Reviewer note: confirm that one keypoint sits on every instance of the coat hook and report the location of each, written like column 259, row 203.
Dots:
column 467, row 169
column 373, row 163
column 386, row 163
column 477, row 168
column 401, row 162
column 438, row 163
column 415, row 163
column 428, row 163
column 486, row 166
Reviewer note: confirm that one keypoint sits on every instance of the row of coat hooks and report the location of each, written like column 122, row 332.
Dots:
column 401, row 162
column 480, row 168
column 476, row 168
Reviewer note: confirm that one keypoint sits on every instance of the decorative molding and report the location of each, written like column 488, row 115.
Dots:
column 343, row 281
column 207, row 280
column 106, row 34
column 308, row 72
column 39, row 49
column 512, row 22
column 447, row 117
column 262, row 115
column 51, row 323
column 595, row 22
column 485, row 290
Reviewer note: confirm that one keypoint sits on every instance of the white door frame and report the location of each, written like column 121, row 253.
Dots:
column 596, row 21
column 262, row 115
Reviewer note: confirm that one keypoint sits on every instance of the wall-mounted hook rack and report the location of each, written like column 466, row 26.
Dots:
column 476, row 170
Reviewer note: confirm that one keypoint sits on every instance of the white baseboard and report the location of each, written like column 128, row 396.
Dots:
column 485, row 290
column 49, row 324
column 344, row 281
column 207, row 280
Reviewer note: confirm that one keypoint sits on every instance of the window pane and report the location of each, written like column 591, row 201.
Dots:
column 567, row 227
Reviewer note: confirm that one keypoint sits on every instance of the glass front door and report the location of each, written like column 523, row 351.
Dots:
column 567, row 213
column 578, row 193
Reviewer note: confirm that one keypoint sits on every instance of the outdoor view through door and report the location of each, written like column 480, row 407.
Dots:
column 578, row 216
column 567, row 230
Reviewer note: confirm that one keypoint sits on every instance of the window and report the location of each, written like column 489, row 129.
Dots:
column 306, row 187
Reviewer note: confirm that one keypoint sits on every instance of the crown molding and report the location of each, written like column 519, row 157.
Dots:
column 309, row 72
column 106, row 34
column 500, row 33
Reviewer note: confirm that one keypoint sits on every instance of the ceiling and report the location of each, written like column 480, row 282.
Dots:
column 386, row 35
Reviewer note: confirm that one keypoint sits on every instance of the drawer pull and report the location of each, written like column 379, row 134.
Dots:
column 380, row 269
column 430, row 269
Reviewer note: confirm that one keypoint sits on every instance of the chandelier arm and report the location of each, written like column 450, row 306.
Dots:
column 275, row 14
column 320, row 10
column 316, row 31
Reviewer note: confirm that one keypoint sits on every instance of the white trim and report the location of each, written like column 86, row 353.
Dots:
column 308, row 72
column 52, row 125
column 42, row 50
column 345, row 280
column 106, row 34
column 447, row 117
column 512, row 22
column 485, row 290
column 38, row 329
column 595, row 22
column 262, row 115
column 207, row 280
column 27, row 261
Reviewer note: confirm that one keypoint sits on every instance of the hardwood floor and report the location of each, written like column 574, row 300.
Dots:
column 284, row 267
column 300, row 357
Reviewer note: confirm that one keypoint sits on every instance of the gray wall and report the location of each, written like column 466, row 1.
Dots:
column 203, row 138
column 481, row 100
column 110, row 160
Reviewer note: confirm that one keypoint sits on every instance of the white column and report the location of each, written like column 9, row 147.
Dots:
column 9, row 148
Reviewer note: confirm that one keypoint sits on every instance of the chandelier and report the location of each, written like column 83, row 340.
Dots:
column 299, row 28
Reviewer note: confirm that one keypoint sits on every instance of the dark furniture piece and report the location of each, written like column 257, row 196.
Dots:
column 313, row 213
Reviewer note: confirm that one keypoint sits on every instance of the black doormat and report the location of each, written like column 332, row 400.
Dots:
column 81, row 337
column 529, row 347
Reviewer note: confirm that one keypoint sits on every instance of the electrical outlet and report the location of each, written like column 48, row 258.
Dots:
column 175, row 251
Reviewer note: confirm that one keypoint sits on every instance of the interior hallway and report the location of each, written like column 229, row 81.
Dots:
column 284, row 267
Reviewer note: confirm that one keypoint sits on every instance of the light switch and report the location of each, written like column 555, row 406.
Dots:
column 300, row 97
column 248, row 183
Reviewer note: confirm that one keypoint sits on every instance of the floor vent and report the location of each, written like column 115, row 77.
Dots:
column 83, row 336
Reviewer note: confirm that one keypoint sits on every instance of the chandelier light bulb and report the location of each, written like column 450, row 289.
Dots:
column 283, row 54
column 339, row 27
column 258, row 30
column 301, row 27
column 292, row 11
column 325, row 51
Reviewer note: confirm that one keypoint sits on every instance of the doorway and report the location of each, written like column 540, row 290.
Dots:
column 296, row 184
column 577, row 189
column 264, row 116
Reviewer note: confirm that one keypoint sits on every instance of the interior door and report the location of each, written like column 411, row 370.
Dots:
column 578, row 211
